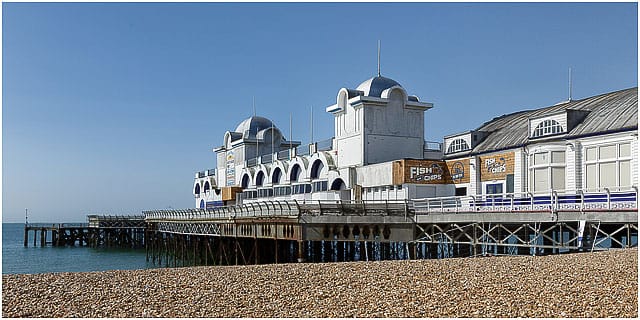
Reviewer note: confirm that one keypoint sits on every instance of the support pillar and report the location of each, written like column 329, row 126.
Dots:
column 300, row 251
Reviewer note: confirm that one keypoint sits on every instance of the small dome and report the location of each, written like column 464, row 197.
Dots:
column 253, row 125
column 374, row 86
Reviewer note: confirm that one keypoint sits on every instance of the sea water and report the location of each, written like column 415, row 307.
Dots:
column 16, row 258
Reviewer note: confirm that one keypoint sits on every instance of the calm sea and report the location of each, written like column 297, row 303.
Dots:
column 18, row 259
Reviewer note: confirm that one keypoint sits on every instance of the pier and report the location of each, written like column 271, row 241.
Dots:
column 326, row 231
column 100, row 231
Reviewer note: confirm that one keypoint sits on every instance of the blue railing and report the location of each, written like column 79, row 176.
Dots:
column 622, row 200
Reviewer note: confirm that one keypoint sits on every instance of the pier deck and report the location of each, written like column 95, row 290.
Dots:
column 426, row 228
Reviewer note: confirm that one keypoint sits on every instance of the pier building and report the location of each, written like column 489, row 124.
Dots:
column 378, row 152
column 554, row 179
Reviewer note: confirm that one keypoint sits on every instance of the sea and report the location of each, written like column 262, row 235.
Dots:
column 16, row 258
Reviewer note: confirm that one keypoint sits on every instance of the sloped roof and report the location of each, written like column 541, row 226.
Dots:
column 609, row 112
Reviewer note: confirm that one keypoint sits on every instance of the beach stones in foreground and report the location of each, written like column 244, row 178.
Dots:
column 602, row 284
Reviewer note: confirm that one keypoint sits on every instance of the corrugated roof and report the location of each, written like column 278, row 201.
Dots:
column 615, row 111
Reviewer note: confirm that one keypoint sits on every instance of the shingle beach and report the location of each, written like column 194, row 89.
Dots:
column 602, row 284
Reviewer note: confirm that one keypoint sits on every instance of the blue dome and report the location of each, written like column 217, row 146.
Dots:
column 373, row 87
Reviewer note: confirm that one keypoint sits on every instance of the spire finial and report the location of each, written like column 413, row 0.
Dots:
column 378, row 58
column 570, row 84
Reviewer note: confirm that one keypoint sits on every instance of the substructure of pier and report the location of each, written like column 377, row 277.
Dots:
column 280, row 232
column 100, row 231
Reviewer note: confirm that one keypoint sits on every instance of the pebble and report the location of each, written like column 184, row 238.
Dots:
column 601, row 284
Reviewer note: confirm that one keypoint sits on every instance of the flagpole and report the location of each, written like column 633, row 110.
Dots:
column 311, row 109
column 254, row 115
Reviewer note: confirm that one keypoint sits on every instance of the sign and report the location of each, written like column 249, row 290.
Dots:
column 459, row 170
column 497, row 166
column 230, row 169
column 420, row 172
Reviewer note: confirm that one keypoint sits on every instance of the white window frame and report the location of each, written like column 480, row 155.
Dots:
column 547, row 127
column 458, row 145
column 549, row 169
column 597, row 161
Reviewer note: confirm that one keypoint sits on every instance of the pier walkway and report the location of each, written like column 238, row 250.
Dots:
column 451, row 226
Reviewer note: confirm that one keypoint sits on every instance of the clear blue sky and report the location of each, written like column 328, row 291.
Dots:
column 111, row 108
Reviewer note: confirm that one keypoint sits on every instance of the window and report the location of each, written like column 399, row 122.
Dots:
column 295, row 173
column 301, row 188
column 277, row 174
column 510, row 183
column 264, row 193
column 457, row 146
column 282, row 191
column 494, row 188
column 546, row 172
column 260, row 179
column 460, row 192
column 547, row 127
column 607, row 166
column 250, row 194
column 319, row 186
column 316, row 169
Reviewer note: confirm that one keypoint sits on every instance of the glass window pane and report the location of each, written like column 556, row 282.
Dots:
column 591, row 153
column 625, row 173
column 557, row 157
column 540, row 180
column 607, row 174
column 540, row 158
column 625, row 150
column 591, row 176
column 607, row 152
column 557, row 178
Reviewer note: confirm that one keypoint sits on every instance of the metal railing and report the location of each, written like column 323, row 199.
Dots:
column 302, row 150
column 284, row 154
column 324, row 145
column 579, row 200
column 432, row 145
column 285, row 208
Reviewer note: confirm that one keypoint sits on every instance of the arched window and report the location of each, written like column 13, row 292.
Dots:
column 316, row 169
column 277, row 175
column 245, row 181
column 259, row 179
column 458, row 145
column 202, row 204
column 547, row 127
column 338, row 184
column 295, row 173
column 197, row 188
column 206, row 187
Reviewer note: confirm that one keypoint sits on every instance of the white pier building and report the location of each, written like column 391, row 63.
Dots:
column 378, row 152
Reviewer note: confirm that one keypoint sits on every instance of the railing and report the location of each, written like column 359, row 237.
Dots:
column 262, row 209
column 325, row 145
column 267, row 158
column 57, row 225
column 252, row 162
column 302, row 150
column 288, row 208
column 432, row 146
column 579, row 200
column 284, row 154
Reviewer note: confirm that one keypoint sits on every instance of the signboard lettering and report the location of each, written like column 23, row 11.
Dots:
column 230, row 169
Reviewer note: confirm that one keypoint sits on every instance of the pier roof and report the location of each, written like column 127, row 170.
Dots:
column 609, row 112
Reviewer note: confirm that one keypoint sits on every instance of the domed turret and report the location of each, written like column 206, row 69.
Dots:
column 373, row 87
column 253, row 125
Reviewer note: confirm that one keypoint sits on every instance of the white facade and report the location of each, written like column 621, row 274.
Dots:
column 555, row 149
